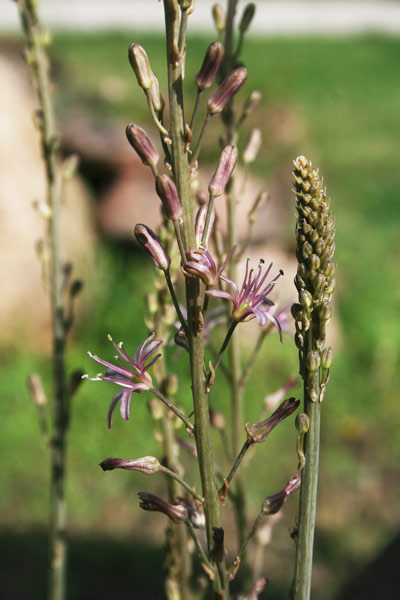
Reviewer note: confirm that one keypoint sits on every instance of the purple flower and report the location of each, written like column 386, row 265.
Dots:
column 202, row 264
column 133, row 378
column 251, row 302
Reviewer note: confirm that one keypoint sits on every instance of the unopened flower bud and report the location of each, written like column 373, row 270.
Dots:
column 261, row 199
column 148, row 464
column 302, row 423
column 171, row 385
column 219, row 17
column 314, row 262
column 252, row 147
column 313, row 361
column 247, row 17
column 151, row 302
column 176, row 512
column 141, row 66
column 139, row 140
column 319, row 282
column 325, row 311
column 217, row 419
column 210, row 66
column 200, row 223
column 168, row 194
column 155, row 408
column 157, row 100
column 36, row 389
column 251, row 103
column 201, row 197
column 226, row 164
column 327, row 356
column 305, row 299
column 259, row 432
column 228, row 88
column 272, row 504
column 148, row 239
column 186, row 4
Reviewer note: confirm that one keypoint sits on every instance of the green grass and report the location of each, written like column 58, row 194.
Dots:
column 342, row 96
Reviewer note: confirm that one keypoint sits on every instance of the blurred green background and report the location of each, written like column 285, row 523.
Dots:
column 344, row 94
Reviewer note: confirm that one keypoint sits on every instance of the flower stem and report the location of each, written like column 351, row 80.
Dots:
column 180, row 169
column 172, row 407
column 199, row 547
column 224, row 344
column 175, row 301
column 236, row 464
column 40, row 76
column 200, row 140
column 309, row 482
column 182, row 482
column 196, row 109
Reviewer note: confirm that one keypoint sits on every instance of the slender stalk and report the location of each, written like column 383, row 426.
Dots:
column 175, row 301
column 236, row 464
column 224, row 344
column 38, row 61
column 181, row 482
column 180, row 168
column 178, row 560
column 199, row 547
column 172, row 407
column 200, row 140
column 309, row 482
column 196, row 109
column 210, row 208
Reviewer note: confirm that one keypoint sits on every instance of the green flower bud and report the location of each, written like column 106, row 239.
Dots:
column 302, row 423
column 219, row 17
column 141, row 66
column 327, row 356
column 313, row 361
column 305, row 299
column 247, row 17
column 325, row 311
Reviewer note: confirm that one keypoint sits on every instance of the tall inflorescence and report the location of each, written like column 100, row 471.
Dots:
column 315, row 279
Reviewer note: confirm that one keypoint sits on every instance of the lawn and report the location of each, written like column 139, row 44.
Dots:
column 335, row 100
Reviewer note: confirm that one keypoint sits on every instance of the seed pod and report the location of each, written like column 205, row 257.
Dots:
column 168, row 194
column 210, row 66
column 140, row 142
column 141, row 66
column 148, row 239
column 228, row 88
column 226, row 164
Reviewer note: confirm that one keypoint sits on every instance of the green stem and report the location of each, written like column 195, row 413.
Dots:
column 199, row 547
column 175, row 301
column 309, row 482
column 236, row 464
column 40, row 76
column 182, row 482
column 172, row 407
column 200, row 140
column 196, row 109
column 224, row 344
column 180, row 168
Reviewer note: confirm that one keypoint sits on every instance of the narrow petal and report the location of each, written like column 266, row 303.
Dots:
column 220, row 294
column 125, row 404
column 228, row 258
column 124, row 372
column 142, row 345
column 111, row 409
column 231, row 283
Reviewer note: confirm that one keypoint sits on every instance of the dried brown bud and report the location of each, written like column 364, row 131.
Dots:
column 252, row 147
column 210, row 66
column 176, row 512
column 141, row 66
column 148, row 464
column 139, row 140
column 157, row 100
column 228, row 88
column 148, row 239
column 168, row 194
column 259, row 432
column 226, row 164
column 217, row 552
